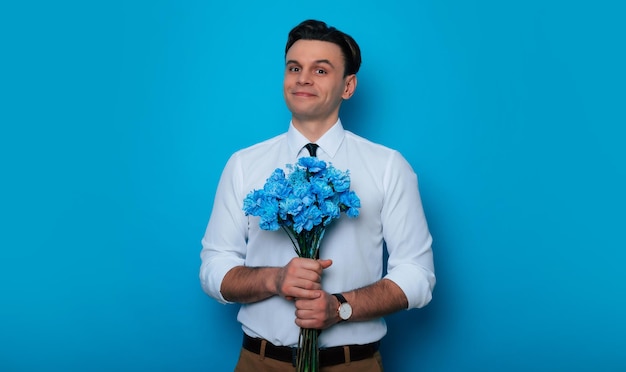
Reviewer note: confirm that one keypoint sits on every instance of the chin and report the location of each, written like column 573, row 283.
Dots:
column 300, row 112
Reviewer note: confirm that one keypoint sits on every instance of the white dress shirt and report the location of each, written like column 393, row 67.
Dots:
column 391, row 212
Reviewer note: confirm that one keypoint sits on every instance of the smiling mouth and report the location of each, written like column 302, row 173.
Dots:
column 303, row 94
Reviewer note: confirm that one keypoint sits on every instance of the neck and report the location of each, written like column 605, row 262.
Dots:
column 313, row 129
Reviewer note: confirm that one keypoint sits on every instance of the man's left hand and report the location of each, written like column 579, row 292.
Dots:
column 317, row 313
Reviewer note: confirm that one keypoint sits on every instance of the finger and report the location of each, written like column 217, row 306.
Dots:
column 309, row 323
column 304, row 303
column 298, row 274
column 305, row 310
column 303, row 294
column 309, row 275
column 307, row 263
column 325, row 263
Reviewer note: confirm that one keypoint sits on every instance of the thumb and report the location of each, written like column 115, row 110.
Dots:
column 325, row 263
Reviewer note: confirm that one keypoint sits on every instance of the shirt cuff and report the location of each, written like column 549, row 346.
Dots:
column 417, row 284
column 212, row 275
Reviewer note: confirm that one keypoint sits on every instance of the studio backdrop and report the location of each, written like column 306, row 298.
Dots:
column 118, row 117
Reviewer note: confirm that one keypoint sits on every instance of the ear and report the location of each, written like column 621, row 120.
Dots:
column 350, row 86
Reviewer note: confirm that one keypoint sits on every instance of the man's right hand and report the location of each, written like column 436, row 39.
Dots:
column 301, row 278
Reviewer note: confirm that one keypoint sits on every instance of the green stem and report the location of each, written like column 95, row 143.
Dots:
column 308, row 243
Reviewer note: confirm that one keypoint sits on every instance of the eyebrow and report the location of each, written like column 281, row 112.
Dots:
column 319, row 61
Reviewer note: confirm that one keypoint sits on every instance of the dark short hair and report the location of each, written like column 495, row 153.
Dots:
column 317, row 30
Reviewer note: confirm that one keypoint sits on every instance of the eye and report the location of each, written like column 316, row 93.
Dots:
column 293, row 69
column 320, row 71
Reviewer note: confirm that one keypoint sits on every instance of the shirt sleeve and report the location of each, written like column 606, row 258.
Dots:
column 224, row 241
column 406, row 234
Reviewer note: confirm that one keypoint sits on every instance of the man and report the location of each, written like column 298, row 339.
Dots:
column 280, row 292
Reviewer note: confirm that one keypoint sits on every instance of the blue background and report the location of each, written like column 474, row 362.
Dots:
column 117, row 118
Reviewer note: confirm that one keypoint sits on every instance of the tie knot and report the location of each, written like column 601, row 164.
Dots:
column 312, row 147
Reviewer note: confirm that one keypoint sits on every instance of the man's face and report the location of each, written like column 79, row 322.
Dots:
column 314, row 85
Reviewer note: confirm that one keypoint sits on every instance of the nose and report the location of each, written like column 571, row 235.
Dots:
column 304, row 78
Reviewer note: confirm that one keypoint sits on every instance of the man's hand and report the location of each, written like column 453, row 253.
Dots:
column 301, row 278
column 319, row 312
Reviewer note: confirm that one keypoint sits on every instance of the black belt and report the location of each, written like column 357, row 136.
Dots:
column 328, row 356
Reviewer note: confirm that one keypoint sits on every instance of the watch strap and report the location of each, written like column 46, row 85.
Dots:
column 342, row 300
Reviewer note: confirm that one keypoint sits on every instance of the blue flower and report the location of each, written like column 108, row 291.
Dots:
column 321, row 187
column 350, row 204
column 277, row 185
column 292, row 206
column 269, row 216
column 309, row 218
column 330, row 210
column 306, row 200
column 312, row 164
column 340, row 180
column 254, row 202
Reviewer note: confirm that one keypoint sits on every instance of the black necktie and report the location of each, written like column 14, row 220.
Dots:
column 312, row 147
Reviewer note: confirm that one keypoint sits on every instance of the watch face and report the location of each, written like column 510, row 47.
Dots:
column 345, row 311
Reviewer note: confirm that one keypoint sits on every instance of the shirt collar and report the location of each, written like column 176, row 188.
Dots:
column 329, row 142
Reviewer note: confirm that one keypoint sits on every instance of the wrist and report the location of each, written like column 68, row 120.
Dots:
column 344, row 309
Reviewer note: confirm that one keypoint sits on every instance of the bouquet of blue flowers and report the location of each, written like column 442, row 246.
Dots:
column 303, row 203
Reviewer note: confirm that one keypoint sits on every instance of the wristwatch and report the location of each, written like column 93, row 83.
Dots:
column 345, row 310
